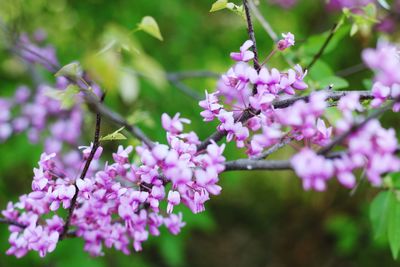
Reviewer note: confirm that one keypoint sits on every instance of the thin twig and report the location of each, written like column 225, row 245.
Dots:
column 252, row 37
column 264, row 23
column 186, row 89
column 324, row 45
column 97, row 107
column 351, row 70
column 274, row 148
column 340, row 138
column 96, row 144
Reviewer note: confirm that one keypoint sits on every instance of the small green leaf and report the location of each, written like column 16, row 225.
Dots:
column 219, row 5
column 394, row 225
column 150, row 26
column 378, row 213
column 114, row 136
column 73, row 70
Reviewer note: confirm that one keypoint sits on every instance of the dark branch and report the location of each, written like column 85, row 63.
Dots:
column 96, row 144
column 97, row 107
column 252, row 37
column 10, row 222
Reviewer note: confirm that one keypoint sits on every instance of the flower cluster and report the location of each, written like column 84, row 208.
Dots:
column 304, row 121
column 120, row 201
column 41, row 113
column 270, row 85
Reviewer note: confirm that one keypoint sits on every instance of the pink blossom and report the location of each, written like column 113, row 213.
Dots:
column 286, row 42
column 244, row 54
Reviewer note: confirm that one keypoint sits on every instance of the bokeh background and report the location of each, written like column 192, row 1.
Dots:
column 261, row 218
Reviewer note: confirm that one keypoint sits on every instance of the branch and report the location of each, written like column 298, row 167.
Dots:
column 340, row 138
column 96, row 144
column 186, row 89
column 10, row 222
column 218, row 135
column 332, row 96
column 98, row 107
column 182, row 75
column 274, row 148
column 324, row 45
column 264, row 23
column 176, row 77
column 254, row 164
column 252, row 37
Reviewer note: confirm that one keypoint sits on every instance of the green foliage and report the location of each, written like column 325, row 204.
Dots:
column 385, row 213
column 73, row 70
column 363, row 21
column 150, row 26
column 224, row 4
column 346, row 232
column 117, row 135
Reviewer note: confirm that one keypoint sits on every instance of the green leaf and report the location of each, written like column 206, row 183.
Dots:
column 378, row 213
column 395, row 177
column 336, row 82
column 320, row 71
column 219, row 5
column 394, row 225
column 114, row 136
column 150, row 26
column 73, row 70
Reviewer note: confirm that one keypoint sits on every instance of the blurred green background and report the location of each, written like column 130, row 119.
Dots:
column 261, row 218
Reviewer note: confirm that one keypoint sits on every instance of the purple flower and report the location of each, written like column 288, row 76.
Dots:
column 173, row 125
column 174, row 198
column 244, row 55
column 314, row 170
column 286, row 42
column 174, row 223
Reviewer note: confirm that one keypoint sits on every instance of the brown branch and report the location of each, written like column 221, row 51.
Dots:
column 96, row 144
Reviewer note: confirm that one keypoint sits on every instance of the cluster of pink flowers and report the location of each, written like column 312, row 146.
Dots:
column 37, row 111
column 41, row 115
column 371, row 148
column 271, row 85
column 118, row 202
column 304, row 120
column 384, row 60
